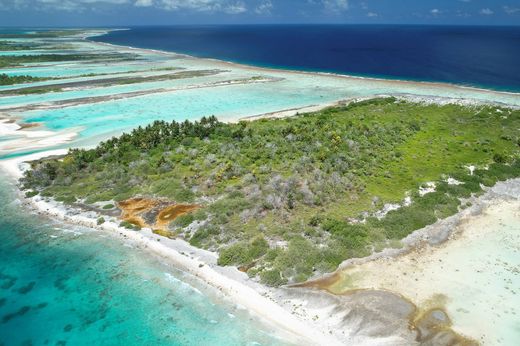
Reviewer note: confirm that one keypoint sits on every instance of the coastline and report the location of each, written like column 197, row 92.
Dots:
column 46, row 138
column 316, row 311
column 460, row 255
column 232, row 283
column 247, row 66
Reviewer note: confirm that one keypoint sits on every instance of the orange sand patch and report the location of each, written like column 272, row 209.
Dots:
column 172, row 212
column 132, row 210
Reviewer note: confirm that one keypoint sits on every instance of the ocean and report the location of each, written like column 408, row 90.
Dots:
column 466, row 55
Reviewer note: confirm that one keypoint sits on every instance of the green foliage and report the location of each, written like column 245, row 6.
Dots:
column 184, row 220
column 100, row 82
column 272, row 278
column 296, row 182
column 199, row 238
column 129, row 226
column 243, row 253
column 17, row 60
column 30, row 194
column 100, row 220
column 13, row 46
column 9, row 80
column 108, row 206
column 351, row 236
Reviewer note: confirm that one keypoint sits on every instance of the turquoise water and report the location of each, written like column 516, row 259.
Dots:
column 20, row 100
column 179, row 105
column 76, row 286
column 71, row 69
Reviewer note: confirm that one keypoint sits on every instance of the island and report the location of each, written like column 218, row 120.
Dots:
column 310, row 209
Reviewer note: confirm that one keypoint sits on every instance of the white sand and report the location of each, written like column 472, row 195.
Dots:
column 32, row 138
column 473, row 275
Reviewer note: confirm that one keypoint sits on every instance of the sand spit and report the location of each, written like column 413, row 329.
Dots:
column 436, row 100
column 28, row 136
column 105, row 82
column 229, row 65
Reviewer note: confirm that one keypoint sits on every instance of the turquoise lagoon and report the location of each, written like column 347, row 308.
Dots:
column 100, row 120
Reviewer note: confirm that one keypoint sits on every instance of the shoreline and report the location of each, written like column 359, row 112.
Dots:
column 235, row 285
column 38, row 137
column 248, row 66
column 296, row 311
column 46, row 139
column 470, row 256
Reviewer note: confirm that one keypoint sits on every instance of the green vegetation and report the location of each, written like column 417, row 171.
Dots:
column 18, row 60
column 10, row 80
column 16, row 46
column 43, row 34
column 30, row 194
column 12, row 46
column 129, row 226
column 105, row 82
column 280, row 197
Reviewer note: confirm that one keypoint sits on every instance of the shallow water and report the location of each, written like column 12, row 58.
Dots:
column 291, row 90
column 473, row 277
column 61, row 284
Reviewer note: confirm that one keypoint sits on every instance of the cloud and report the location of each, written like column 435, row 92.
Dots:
column 61, row 5
column 196, row 5
column 264, row 8
column 335, row 5
column 372, row 14
column 143, row 3
column 225, row 6
column 236, row 8
column 511, row 10
column 486, row 11
column 331, row 6
column 435, row 11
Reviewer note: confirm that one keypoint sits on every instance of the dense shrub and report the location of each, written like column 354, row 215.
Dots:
column 277, row 196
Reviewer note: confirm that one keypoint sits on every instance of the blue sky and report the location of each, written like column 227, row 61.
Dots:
column 170, row 12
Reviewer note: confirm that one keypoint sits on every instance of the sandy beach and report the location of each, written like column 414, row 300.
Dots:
column 471, row 257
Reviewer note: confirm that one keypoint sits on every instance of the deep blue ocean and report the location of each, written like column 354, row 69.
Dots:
column 469, row 55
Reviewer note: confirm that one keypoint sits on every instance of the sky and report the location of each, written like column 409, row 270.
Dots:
column 179, row 12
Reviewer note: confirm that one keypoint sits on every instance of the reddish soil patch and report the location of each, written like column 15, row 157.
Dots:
column 132, row 210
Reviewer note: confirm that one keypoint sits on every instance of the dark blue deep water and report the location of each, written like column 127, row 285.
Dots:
column 477, row 56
